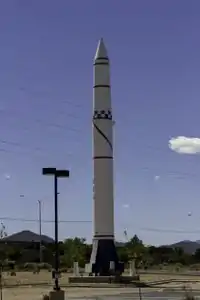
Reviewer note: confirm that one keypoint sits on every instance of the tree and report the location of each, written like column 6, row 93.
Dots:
column 75, row 250
column 197, row 255
column 3, row 234
column 135, row 248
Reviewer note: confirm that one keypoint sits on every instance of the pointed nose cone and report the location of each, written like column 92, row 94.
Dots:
column 101, row 52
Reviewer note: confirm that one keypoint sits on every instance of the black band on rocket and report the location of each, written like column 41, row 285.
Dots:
column 101, row 63
column 103, row 236
column 102, row 157
column 101, row 86
column 103, row 135
column 102, row 58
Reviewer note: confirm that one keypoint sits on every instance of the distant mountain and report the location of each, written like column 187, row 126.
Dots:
column 188, row 246
column 27, row 236
column 119, row 244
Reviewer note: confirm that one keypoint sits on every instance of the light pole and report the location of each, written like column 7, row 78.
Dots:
column 57, row 174
column 40, row 227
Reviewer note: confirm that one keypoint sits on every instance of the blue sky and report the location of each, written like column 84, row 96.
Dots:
column 46, row 57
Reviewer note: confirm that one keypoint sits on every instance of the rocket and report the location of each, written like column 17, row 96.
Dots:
column 103, row 250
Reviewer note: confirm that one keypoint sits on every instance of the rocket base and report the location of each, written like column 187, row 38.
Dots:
column 104, row 252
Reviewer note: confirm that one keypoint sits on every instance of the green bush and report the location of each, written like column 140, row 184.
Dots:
column 36, row 266
column 44, row 266
column 178, row 266
column 63, row 270
column 8, row 265
column 13, row 273
column 30, row 266
column 195, row 267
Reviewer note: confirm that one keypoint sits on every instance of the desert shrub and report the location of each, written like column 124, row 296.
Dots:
column 44, row 266
column 36, row 267
column 63, row 270
column 165, row 265
column 30, row 266
column 178, row 266
column 11, row 264
column 8, row 265
column 195, row 267
column 70, row 270
column 12, row 273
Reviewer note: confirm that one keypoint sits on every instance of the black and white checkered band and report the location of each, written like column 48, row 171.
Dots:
column 102, row 114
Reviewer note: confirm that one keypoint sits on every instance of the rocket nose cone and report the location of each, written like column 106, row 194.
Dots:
column 101, row 50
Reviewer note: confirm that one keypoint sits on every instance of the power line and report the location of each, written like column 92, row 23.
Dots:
column 49, row 124
column 160, row 230
column 43, row 221
column 37, row 151
column 169, row 230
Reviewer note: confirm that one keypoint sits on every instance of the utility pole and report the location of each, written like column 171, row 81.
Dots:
column 40, row 228
column 3, row 234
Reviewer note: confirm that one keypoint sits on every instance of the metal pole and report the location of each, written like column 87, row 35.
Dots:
column 1, row 281
column 57, row 288
column 40, row 229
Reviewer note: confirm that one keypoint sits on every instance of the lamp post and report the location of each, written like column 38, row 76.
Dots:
column 56, row 174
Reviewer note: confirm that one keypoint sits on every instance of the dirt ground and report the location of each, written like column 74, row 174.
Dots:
column 36, row 293
column 26, row 278
column 44, row 277
column 36, row 285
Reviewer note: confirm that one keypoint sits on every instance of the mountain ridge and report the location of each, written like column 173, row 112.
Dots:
column 188, row 246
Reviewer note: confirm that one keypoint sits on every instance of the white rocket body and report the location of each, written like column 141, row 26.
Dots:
column 104, row 254
column 102, row 148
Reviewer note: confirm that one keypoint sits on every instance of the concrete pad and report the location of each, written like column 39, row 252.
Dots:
column 103, row 279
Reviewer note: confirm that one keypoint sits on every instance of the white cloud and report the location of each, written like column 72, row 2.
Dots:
column 185, row 145
column 125, row 205
column 157, row 177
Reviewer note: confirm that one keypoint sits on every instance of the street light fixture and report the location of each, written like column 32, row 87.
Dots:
column 57, row 174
